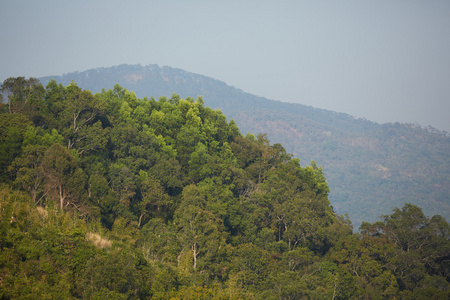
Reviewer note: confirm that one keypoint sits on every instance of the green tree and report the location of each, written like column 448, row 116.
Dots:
column 12, row 130
column 422, row 246
column 23, row 96
column 158, row 241
column 201, row 232
column 368, row 260
column 154, row 200
column 27, row 167
column 79, row 112
column 167, row 171
column 63, row 179
column 253, row 266
column 123, row 184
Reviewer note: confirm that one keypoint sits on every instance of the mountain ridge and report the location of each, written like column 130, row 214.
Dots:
column 182, row 76
column 133, row 79
column 370, row 167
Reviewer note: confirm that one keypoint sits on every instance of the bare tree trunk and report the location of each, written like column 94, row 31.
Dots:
column 194, row 250
column 61, row 196
column 140, row 219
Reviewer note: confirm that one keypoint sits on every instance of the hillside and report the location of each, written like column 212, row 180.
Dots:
column 110, row 196
column 370, row 168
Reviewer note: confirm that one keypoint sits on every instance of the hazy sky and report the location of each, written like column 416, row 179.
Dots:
column 386, row 61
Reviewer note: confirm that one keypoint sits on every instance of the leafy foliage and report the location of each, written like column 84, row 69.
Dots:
column 112, row 196
column 405, row 162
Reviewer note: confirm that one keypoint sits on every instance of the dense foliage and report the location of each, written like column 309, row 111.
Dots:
column 370, row 168
column 109, row 196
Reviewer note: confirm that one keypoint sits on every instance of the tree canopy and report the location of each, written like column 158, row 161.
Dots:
column 112, row 196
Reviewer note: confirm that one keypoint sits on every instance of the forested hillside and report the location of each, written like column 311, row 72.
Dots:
column 370, row 168
column 111, row 196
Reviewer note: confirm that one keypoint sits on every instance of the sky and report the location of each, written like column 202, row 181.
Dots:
column 385, row 61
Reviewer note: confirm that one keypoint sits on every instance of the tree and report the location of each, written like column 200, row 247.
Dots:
column 167, row 171
column 200, row 230
column 12, row 130
column 123, row 184
column 80, row 111
column 422, row 245
column 158, row 241
column 63, row 178
column 154, row 200
column 27, row 167
column 23, row 95
column 29, row 172
column 367, row 259
column 253, row 266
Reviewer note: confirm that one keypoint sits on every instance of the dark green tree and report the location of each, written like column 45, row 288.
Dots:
column 63, row 179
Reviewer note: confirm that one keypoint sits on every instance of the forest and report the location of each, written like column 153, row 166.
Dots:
column 109, row 196
column 370, row 168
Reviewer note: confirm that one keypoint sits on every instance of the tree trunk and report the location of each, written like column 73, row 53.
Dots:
column 61, row 196
column 194, row 250
column 140, row 219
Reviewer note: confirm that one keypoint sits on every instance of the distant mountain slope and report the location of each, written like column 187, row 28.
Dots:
column 370, row 168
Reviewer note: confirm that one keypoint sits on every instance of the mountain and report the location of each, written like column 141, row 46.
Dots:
column 371, row 168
